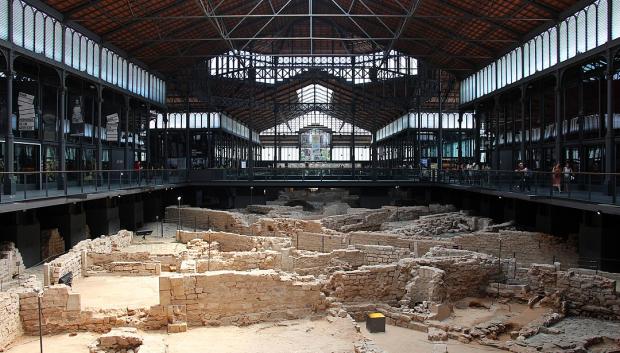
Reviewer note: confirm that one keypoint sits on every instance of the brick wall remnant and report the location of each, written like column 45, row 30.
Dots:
column 52, row 244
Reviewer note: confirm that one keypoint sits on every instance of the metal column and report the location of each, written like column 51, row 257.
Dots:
column 440, row 142
column 522, row 101
column 419, row 129
column 126, row 150
column 61, row 130
column 610, row 147
column 165, row 147
column 188, row 140
column 352, row 148
column 99, row 101
column 275, row 136
column 460, row 138
column 558, row 120
column 497, row 132
column 477, row 139
column 9, row 148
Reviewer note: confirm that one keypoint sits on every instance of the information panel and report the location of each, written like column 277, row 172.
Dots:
column 315, row 145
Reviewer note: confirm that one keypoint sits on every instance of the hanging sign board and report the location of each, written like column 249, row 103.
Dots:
column 76, row 116
column 25, row 102
column 112, row 127
column 77, row 119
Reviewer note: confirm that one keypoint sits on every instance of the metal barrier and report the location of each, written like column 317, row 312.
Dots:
column 591, row 187
column 40, row 185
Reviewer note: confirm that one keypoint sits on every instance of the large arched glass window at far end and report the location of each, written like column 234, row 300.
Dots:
column 315, row 118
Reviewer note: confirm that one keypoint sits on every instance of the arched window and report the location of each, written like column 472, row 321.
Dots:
column 83, row 55
column 532, row 56
column 18, row 23
column 124, row 74
column 553, row 46
column 75, row 48
column 49, row 37
column 563, row 41
column 539, row 53
column 602, row 21
column 96, row 66
column 89, row 57
column 68, row 45
column 110, row 70
column 28, row 28
column 104, row 64
column 615, row 19
column 131, row 78
column 39, row 33
column 114, row 69
column 545, row 50
column 518, row 57
column 4, row 19
column 58, row 40
column 591, row 27
column 572, row 36
column 581, row 32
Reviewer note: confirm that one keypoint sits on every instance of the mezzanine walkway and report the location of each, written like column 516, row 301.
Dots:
column 589, row 191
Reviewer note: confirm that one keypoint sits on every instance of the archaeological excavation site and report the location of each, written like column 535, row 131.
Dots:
column 311, row 271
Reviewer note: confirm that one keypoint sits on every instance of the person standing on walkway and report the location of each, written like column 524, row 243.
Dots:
column 568, row 176
column 556, row 177
column 523, row 174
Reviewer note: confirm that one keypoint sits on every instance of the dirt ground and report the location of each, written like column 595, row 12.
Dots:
column 401, row 340
column 115, row 292
column 515, row 313
column 299, row 336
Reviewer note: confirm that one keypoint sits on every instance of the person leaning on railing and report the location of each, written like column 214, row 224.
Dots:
column 524, row 175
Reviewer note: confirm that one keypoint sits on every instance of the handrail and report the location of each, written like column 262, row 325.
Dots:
column 23, row 186
column 144, row 170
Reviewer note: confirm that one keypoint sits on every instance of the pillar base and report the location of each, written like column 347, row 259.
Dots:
column 9, row 187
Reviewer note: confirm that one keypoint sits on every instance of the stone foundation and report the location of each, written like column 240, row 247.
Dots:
column 584, row 294
column 10, row 325
column 11, row 263
column 61, row 309
column 73, row 261
column 235, row 242
column 240, row 298
column 527, row 247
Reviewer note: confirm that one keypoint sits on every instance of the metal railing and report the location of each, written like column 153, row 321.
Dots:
column 591, row 187
column 38, row 185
